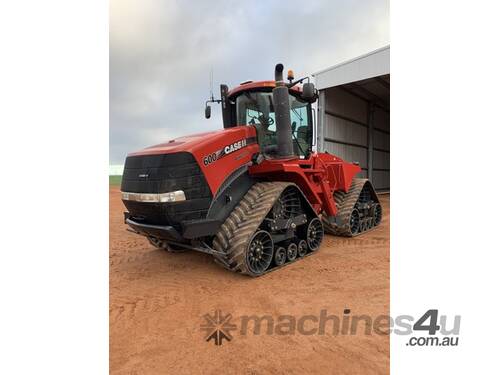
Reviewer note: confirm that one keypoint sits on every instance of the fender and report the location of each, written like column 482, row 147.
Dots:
column 231, row 191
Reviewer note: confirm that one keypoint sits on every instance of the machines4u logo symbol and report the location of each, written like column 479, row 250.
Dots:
column 218, row 327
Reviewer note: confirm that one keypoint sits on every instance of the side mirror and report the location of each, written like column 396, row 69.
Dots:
column 308, row 92
column 208, row 111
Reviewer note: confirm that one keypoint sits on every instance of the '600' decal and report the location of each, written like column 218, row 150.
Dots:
column 210, row 158
column 226, row 150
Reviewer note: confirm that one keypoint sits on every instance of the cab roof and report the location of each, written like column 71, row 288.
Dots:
column 246, row 86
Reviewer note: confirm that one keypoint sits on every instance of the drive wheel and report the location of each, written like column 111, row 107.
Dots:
column 259, row 252
column 302, row 248
column 287, row 205
column 280, row 256
column 291, row 252
column 314, row 234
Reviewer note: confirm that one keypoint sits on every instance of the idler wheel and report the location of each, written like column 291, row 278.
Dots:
column 377, row 214
column 259, row 252
column 315, row 234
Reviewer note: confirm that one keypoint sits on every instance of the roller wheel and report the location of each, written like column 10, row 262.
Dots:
column 354, row 222
column 259, row 252
column 314, row 234
column 280, row 256
column 291, row 252
column 377, row 214
column 302, row 248
column 369, row 224
column 363, row 226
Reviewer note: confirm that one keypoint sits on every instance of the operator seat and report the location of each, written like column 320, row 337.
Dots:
column 302, row 140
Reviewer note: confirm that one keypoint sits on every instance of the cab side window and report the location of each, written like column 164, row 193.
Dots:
column 301, row 130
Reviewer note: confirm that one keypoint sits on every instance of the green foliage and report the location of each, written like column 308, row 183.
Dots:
column 115, row 180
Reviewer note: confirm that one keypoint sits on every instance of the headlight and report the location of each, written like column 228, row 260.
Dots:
column 173, row 196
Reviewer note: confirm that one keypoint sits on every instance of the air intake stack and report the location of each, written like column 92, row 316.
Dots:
column 282, row 113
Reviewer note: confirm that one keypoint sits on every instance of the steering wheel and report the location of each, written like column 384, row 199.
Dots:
column 262, row 120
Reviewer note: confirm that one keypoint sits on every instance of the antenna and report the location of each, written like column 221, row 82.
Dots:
column 212, row 99
column 212, row 83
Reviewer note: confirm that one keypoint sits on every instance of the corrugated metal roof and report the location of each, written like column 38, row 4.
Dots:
column 373, row 64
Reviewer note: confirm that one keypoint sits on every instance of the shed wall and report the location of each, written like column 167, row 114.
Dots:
column 346, row 133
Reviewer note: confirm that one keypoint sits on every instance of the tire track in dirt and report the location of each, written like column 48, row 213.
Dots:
column 129, row 309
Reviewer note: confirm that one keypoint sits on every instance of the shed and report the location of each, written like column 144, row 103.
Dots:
column 354, row 113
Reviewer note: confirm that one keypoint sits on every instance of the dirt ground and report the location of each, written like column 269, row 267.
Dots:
column 158, row 301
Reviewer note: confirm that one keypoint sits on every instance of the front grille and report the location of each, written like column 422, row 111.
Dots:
column 162, row 174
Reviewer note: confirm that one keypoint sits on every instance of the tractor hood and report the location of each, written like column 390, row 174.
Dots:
column 218, row 153
column 186, row 143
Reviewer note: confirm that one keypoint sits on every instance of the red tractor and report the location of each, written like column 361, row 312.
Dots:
column 254, row 195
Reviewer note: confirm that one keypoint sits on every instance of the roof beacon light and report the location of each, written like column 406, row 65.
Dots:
column 290, row 75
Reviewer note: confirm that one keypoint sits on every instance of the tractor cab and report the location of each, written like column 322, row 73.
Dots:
column 252, row 104
column 256, row 108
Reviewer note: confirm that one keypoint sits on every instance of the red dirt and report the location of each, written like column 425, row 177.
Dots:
column 158, row 299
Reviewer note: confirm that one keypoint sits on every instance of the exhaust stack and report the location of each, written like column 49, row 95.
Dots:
column 282, row 113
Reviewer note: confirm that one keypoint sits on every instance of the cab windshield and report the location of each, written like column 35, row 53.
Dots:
column 256, row 108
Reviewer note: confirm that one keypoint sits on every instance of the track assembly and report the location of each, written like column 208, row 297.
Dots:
column 272, row 222
column 359, row 210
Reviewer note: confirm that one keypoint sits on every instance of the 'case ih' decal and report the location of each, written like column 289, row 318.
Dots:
column 226, row 150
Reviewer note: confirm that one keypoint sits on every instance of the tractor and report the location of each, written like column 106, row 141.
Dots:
column 255, row 195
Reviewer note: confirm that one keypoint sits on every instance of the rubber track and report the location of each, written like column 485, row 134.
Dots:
column 234, row 235
column 345, row 204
